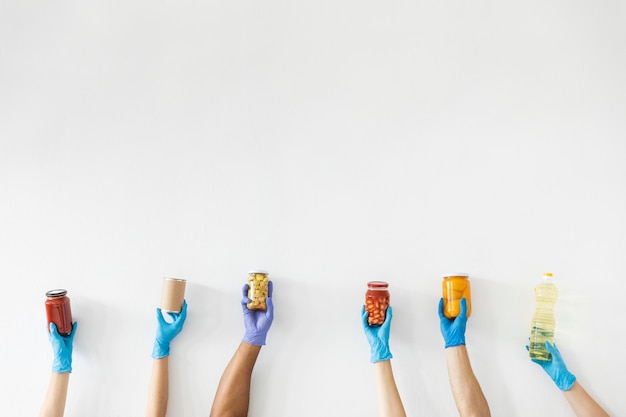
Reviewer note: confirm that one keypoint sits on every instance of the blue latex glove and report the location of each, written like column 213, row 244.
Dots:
column 378, row 336
column 166, row 332
column 453, row 330
column 62, row 347
column 257, row 322
column 556, row 368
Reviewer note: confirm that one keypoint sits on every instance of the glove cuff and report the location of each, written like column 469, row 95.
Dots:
column 380, row 356
column 160, row 350
column 255, row 339
column 380, row 352
column 453, row 343
column 566, row 382
column 61, row 365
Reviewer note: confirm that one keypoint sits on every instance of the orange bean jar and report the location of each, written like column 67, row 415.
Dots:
column 58, row 311
column 454, row 287
column 376, row 302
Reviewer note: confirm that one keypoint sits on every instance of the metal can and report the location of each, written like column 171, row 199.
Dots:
column 258, row 290
column 455, row 287
column 58, row 311
column 376, row 302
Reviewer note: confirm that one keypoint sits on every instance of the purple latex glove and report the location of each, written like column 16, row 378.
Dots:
column 257, row 322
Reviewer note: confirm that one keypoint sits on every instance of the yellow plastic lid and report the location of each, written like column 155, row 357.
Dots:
column 547, row 274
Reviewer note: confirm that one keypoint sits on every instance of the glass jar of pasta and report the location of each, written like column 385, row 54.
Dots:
column 258, row 290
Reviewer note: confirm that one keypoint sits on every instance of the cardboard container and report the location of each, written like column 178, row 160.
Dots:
column 173, row 295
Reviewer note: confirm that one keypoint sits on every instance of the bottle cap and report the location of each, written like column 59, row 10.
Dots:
column 258, row 271
column 456, row 274
column 56, row 293
column 547, row 274
column 378, row 284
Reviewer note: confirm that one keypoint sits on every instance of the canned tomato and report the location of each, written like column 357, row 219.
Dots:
column 58, row 311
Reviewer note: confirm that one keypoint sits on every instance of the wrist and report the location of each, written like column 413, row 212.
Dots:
column 454, row 343
column 254, row 339
column 62, row 365
column 380, row 352
column 566, row 381
column 454, row 339
column 160, row 350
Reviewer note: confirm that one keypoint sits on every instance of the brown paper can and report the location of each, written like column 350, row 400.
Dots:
column 173, row 294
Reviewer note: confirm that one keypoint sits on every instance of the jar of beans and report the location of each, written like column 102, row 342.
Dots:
column 258, row 290
column 376, row 302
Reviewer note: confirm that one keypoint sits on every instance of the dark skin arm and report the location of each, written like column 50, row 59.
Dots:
column 233, row 392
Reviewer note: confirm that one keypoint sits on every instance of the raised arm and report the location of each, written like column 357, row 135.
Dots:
column 232, row 398
column 54, row 402
column 469, row 398
column 158, row 390
column 389, row 402
column 580, row 401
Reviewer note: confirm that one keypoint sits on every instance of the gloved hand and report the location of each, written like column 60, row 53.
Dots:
column 166, row 332
column 453, row 330
column 378, row 336
column 62, row 347
column 556, row 368
column 257, row 322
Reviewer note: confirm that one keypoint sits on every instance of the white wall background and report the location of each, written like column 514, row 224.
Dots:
column 330, row 142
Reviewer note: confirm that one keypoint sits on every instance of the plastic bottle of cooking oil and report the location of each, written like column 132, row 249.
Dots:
column 543, row 322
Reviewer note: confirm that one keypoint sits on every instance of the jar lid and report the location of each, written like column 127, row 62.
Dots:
column 56, row 293
column 456, row 274
column 175, row 279
column 377, row 284
column 258, row 271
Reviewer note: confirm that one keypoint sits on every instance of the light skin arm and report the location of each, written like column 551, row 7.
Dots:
column 389, row 402
column 158, row 388
column 582, row 403
column 54, row 403
column 468, row 396
column 233, row 392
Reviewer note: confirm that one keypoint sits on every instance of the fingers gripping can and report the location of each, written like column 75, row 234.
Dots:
column 258, row 290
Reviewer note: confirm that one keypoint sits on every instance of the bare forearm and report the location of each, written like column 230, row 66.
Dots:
column 469, row 398
column 582, row 403
column 158, row 390
column 54, row 403
column 233, row 393
column 389, row 402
